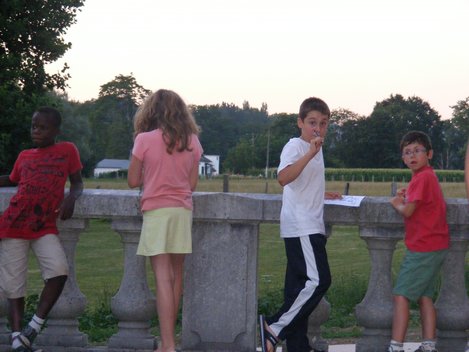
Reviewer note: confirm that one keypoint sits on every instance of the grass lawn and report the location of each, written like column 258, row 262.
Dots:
column 99, row 256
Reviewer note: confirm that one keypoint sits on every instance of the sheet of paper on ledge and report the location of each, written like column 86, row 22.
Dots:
column 346, row 201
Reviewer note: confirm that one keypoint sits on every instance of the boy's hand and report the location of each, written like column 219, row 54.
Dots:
column 66, row 208
column 332, row 195
column 315, row 145
column 401, row 192
column 397, row 201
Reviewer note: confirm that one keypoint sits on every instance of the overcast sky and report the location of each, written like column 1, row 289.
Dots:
column 349, row 53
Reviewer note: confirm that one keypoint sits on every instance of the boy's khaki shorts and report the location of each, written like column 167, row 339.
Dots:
column 418, row 275
column 14, row 254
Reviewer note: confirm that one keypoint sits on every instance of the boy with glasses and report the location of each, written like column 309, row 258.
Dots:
column 427, row 239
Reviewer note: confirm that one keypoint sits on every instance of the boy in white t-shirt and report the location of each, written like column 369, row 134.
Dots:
column 301, row 173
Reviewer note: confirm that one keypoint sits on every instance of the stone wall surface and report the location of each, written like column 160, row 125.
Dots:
column 220, row 293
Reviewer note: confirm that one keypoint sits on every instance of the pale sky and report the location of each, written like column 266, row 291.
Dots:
column 349, row 53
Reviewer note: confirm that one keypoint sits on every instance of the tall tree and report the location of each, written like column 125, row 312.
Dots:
column 31, row 36
column 456, row 133
column 374, row 141
column 224, row 125
column 112, row 117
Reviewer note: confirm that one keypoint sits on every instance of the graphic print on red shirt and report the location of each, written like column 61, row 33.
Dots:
column 41, row 175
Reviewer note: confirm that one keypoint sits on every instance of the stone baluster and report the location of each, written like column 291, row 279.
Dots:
column 61, row 330
column 453, row 304
column 375, row 311
column 4, row 332
column 220, row 290
column 319, row 316
column 134, row 304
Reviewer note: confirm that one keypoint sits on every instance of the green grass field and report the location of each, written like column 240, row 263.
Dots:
column 99, row 257
column 257, row 185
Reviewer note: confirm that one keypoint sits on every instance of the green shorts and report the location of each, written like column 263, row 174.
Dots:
column 418, row 275
column 166, row 230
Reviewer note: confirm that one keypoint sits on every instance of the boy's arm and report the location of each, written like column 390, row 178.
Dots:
column 466, row 171
column 403, row 208
column 6, row 182
column 291, row 172
column 76, row 189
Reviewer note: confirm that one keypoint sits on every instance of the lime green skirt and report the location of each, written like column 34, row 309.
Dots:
column 166, row 230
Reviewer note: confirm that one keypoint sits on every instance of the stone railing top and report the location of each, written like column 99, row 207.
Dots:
column 254, row 207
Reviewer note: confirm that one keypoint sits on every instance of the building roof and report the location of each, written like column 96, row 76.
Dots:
column 204, row 159
column 113, row 164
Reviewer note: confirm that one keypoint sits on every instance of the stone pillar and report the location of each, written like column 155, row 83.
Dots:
column 61, row 330
column 220, row 291
column 453, row 304
column 134, row 304
column 319, row 316
column 375, row 311
column 4, row 332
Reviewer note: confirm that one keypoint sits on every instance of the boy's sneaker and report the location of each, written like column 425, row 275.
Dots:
column 27, row 336
column 422, row 349
column 391, row 349
column 21, row 349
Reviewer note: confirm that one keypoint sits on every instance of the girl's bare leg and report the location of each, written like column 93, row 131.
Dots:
column 168, row 270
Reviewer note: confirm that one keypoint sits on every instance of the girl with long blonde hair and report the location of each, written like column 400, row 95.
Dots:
column 165, row 163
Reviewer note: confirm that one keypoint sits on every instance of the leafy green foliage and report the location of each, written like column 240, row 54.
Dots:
column 98, row 322
column 31, row 36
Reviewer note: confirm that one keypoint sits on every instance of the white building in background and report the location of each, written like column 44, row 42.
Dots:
column 110, row 165
column 209, row 165
column 215, row 159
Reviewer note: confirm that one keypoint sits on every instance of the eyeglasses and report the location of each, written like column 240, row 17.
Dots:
column 416, row 151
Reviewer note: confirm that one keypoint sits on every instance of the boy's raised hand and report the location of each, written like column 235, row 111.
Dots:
column 315, row 144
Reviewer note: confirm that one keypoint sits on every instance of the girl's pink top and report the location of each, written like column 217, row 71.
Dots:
column 166, row 177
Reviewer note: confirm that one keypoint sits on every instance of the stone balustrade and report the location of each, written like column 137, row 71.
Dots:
column 220, row 292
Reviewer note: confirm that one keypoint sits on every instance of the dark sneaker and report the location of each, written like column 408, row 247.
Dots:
column 21, row 349
column 27, row 336
column 391, row 349
column 421, row 349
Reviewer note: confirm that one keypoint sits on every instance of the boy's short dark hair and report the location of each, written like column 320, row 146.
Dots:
column 313, row 104
column 416, row 137
column 54, row 114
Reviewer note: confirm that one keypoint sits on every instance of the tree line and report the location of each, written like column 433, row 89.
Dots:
column 248, row 139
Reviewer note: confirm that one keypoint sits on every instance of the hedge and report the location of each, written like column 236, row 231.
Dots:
column 387, row 175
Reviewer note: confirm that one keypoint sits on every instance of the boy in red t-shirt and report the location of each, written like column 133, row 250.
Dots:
column 30, row 222
column 427, row 239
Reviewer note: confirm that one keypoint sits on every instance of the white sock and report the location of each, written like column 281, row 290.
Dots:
column 429, row 345
column 396, row 345
column 36, row 323
column 15, row 342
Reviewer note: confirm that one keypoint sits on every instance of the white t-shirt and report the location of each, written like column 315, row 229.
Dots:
column 303, row 199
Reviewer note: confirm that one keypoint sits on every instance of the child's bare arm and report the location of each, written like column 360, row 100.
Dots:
column 6, row 182
column 291, row 172
column 134, row 175
column 404, row 208
column 76, row 189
